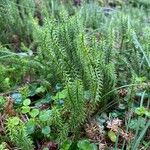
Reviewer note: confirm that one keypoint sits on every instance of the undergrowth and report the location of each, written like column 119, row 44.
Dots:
column 74, row 75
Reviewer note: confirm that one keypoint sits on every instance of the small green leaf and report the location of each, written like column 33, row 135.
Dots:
column 112, row 136
column 45, row 115
column 134, row 123
column 14, row 121
column 46, row 130
column 140, row 111
column 40, row 89
column 66, row 145
column 61, row 95
column 147, row 113
column 2, row 100
column 93, row 147
column 7, row 82
column 140, row 79
column 86, row 145
column 26, row 102
column 30, row 126
column 34, row 112
column 83, row 144
column 25, row 109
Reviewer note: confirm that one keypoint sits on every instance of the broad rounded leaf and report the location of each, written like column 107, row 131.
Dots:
column 66, row 145
column 147, row 113
column 83, row 144
column 45, row 115
column 15, row 121
column 34, row 112
column 26, row 102
column 140, row 111
column 112, row 136
column 40, row 89
column 86, row 145
column 46, row 130
column 61, row 95
column 93, row 147
column 30, row 126
column 25, row 109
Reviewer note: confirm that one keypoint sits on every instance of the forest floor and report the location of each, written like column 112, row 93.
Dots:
column 74, row 76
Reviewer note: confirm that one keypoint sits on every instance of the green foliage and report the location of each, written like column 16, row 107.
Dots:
column 26, row 102
column 26, row 107
column 66, row 145
column 72, row 60
column 46, row 130
column 142, row 111
column 18, row 134
column 34, row 112
column 75, row 104
column 112, row 136
column 3, row 146
column 21, row 16
column 86, row 145
column 45, row 115
column 135, row 123
column 2, row 102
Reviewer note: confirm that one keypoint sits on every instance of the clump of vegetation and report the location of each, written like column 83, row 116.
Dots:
column 74, row 75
